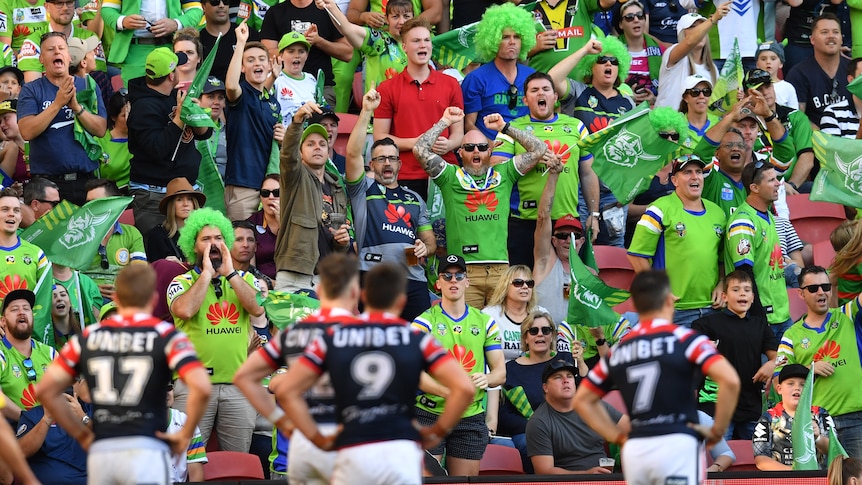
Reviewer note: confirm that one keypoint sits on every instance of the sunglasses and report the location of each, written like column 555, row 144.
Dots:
column 28, row 367
column 562, row 236
column 605, row 59
column 383, row 159
column 520, row 283
column 266, row 193
column 695, row 92
column 734, row 144
column 512, row 93
column 457, row 276
column 672, row 136
column 630, row 17
column 535, row 330
column 813, row 288
column 103, row 257
column 215, row 3
column 52, row 202
column 468, row 147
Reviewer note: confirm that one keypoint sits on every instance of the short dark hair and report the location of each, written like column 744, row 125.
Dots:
column 110, row 186
column 825, row 16
column 115, row 106
column 739, row 276
column 35, row 188
column 135, row 285
column 753, row 173
column 649, row 290
column 157, row 81
column 813, row 269
column 734, row 131
column 383, row 142
column 336, row 272
column 538, row 75
column 384, row 283
column 244, row 225
column 255, row 45
column 407, row 5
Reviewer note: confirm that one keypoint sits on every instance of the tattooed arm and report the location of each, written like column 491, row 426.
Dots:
column 534, row 147
column 432, row 163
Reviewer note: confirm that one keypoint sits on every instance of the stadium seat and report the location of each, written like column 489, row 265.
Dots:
column 501, row 460
column 814, row 221
column 358, row 89
column 117, row 82
column 232, row 465
column 614, row 267
column 345, row 126
column 797, row 304
column 615, row 399
column 823, row 253
column 744, row 456
column 127, row 217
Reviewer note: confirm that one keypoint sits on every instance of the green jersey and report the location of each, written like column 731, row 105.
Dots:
column 28, row 56
column 753, row 240
column 383, row 57
column 674, row 237
column 124, row 246
column 116, row 166
column 720, row 189
column 561, row 134
column 799, row 135
column 572, row 20
column 18, row 380
column 836, row 343
column 25, row 264
column 477, row 212
column 220, row 329
column 468, row 338
column 20, row 18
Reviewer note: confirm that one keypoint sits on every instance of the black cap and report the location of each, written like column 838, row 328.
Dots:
column 18, row 73
column 792, row 370
column 212, row 85
column 326, row 112
column 680, row 162
column 453, row 260
column 18, row 295
column 557, row 365
column 756, row 78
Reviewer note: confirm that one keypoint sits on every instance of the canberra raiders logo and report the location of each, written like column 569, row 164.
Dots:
column 853, row 172
column 626, row 149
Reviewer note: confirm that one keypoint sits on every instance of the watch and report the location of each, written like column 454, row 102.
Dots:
column 86, row 420
column 600, row 342
column 771, row 117
column 595, row 214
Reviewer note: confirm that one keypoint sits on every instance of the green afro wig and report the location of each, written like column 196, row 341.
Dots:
column 489, row 30
column 667, row 119
column 198, row 219
column 610, row 47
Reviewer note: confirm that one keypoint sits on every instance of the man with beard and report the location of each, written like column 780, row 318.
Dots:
column 23, row 360
column 752, row 245
column 213, row 304
column 475, row 196
column 723, row 184
column 391, row 220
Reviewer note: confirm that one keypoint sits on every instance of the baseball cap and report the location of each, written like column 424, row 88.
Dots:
column 568, row 220
column 107, row 308
column 687, row 21
column 19, row 294
column 453, row 260
column 79, row 48
column 558, row 365
column 314, row 128
column 18, row 73
column 9, row 106
column 162, row 61
column 680, row 162
column 326, row 111
column 212, row 85
column 756, row 78
column 291, row 38
column 792, row 370
column 694, row 80
column 775, row 47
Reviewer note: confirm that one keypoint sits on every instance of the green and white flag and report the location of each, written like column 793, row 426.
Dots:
column 192, row 114
column 802, row 431
column 628, row 153
column 590, row 299
column 840, row 176
column 728, row 82
column 285, row 309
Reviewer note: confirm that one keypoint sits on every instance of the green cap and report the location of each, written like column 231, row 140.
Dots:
column 291, row 38
column 314, row 128
column 106, row 308
column 163, row 61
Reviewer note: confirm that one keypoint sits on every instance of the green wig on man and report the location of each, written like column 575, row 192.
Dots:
column 611, row 47
column 198, row 219
column 496, row 20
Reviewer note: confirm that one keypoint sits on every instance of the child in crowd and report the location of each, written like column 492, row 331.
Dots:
column 773, row 444
column 293, row 87
column 770, row 58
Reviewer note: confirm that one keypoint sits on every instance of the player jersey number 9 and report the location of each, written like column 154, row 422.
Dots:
column 137, row 367
column 374, row 372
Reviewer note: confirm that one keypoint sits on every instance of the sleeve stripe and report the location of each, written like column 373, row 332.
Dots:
column 421, row 324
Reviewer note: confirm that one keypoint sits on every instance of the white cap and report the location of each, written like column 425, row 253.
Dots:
column 694, row 80
column 687, row 21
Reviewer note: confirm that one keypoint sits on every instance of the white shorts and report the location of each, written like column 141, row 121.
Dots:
column 132, row 461
column 671, row 459
column 308, row 464
column 397, row 462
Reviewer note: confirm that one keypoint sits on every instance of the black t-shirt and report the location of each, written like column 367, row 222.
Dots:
column 816, row 89
column 285, row 17
column 663, row 17
column 798, row 27
column 225, row 49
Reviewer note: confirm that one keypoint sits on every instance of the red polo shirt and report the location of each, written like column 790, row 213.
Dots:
column 414, row 108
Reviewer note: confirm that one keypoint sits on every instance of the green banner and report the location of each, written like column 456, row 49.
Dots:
column 191, row 113
column 590, row 299
column 802, row 431
column 285, row 309
column 840, row 176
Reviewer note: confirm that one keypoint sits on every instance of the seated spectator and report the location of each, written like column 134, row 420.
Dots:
column 773, row 444
column 40, row 196
column 64, row 321
column 267, row 223
column 558, row 440
column 115, row 143
column 846, row 269
column 13, row 164
column 722, row 456
column 523, row 379
column 179, row 201
column 188, row 467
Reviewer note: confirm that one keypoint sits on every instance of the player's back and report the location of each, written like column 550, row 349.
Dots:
column 657, row 369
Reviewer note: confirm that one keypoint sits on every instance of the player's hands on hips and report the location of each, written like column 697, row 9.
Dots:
column 178, row 442
column 494, row 121
column 709, row 433
column 325, row 442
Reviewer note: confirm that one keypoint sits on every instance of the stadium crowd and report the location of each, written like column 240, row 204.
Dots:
column 463, row 159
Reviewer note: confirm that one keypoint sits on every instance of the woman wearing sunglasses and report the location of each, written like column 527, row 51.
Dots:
column 266, row 224
column 695, row 106
column 645, row 50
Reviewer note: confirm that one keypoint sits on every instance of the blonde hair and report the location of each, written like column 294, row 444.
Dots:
column 527, row 324
column 171, row 224
column 846, row 240
column 842, row 469
column 501, row 291
column 706, row 55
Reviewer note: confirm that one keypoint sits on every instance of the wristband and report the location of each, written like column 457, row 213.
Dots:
column 231, row 275
column 275, row 415
column 595, row 214
column 505, row 128
column 793, row 185
column 80, row 111
column 771, row 117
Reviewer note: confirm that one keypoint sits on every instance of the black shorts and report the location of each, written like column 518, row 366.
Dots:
column 467, row 440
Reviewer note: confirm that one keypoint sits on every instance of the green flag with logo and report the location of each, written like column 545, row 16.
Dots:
column 44, row 291
column 590, row 299
column 87, row 99
column 802, row 431
column 192, row 114
column 840, row 176
column 835, row 447
column 628, row 153
column 728, row 82
column 74, row 240
column 285, row 309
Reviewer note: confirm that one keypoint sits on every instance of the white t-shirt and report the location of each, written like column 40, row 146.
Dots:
column 785, row 94
column 291, row 93
column 671, row 79
column 179, row 463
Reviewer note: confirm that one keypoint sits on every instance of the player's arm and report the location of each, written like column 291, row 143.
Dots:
column 12, row 455
column 355, row 164
column 248, row 378
column 588, row 404
column 723, row 373
column 432, row 163
column 50, row 393
column 290, row 394
column 461, row 391
column 197, row 380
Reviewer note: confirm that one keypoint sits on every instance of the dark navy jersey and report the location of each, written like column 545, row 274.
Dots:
column 128, row 363
column 657, row 368
column 288, row 345
column 378, row 361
